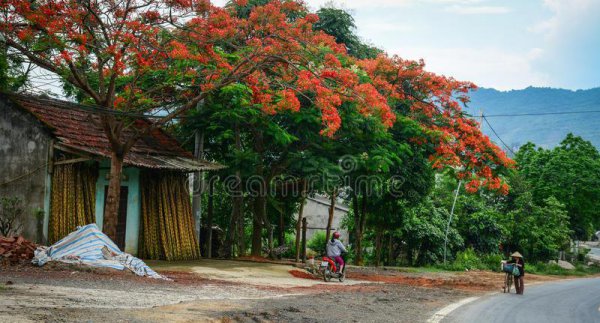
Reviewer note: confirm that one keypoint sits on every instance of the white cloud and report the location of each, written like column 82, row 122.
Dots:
column 487, row 67
column 567, row 15
column 571, row 43
column 478, row 10
column 354, row 4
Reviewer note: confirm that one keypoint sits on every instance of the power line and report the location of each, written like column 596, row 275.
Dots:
column 494, row 131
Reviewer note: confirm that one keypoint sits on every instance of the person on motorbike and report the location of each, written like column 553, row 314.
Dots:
column 335, row 248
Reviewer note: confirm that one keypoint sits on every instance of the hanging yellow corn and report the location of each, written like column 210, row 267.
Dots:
column 72, row 199
column 167, row 224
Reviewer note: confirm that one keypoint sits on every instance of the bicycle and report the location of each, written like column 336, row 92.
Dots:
column 508, row 276
column 508, row 282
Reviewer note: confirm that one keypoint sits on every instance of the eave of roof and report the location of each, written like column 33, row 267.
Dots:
column 76, row 127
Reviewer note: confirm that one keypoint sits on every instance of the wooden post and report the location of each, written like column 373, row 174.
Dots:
column 209, row 237
column 304, row 226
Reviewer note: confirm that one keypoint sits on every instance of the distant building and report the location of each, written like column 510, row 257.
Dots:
column 316, row 212
column 55, row 156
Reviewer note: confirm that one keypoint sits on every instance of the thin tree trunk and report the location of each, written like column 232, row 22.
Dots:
column 390, row 251
column 300, row 216
column 363, row 222
column 197, row 184
column 111, row 209
column 257, row 228
column 210, row 219
column 227, row 247
column 378, row 246
column 360, row 222
column 239, row 201
column 270, row 240
column 331, row 213
column 357, row 233
column 281, row 236
column 236, row 220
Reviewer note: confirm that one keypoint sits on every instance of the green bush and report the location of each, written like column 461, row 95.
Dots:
column 492, row 261
column 467, row 259
column 317, row 243
column 470, row 260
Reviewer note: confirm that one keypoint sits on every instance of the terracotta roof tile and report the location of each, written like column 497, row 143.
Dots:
column 73, row 126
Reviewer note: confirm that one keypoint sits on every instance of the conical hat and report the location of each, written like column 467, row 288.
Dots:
column 516, row 254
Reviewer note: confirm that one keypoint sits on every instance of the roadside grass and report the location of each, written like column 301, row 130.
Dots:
column 427, row 269
column 469, row 260
column 542, row 268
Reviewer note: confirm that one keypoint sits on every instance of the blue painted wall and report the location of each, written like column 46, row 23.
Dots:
column 132, row 181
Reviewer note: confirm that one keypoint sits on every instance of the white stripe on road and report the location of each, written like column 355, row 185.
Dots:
column 441, row 314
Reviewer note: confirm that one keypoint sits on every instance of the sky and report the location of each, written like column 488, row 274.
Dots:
column 508, row 44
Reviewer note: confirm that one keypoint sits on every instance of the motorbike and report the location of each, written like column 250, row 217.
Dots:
column 329, row 270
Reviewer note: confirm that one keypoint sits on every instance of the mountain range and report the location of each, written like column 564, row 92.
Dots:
column 515, row 115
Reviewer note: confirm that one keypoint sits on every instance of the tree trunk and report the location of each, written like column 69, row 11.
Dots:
column 360, row 219
column 300, row 216
column 236, row 221
column 270, row 240
column 260, row 201
column 390, row 256
column 356, row 213
column 409, row 255
column 226, row 250
column 378, row 246
column 239, row 202
column 281, row 236
column 304, row 228
column 331, row 213
column 209, row 220
column 111, row 209
column 197, row 183
column 257, row 227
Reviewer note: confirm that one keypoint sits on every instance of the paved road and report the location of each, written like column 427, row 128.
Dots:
column 575, row 300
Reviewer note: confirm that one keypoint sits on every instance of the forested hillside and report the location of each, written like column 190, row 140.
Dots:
column 543, row 130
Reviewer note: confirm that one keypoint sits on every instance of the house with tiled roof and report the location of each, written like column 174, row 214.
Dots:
column 55, row 157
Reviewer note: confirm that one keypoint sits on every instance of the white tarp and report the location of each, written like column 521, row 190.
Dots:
column 89, row 246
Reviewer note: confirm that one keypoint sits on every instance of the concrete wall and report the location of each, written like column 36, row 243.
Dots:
column 316, row 212
column 132, row 181
column 23, row 154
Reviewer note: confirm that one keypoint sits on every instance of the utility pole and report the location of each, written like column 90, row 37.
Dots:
column 450, row 219
column 454, row 202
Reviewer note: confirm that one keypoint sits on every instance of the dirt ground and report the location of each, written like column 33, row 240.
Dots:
column 230, row 291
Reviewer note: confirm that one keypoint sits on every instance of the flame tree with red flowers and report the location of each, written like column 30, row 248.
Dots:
column 143, row 55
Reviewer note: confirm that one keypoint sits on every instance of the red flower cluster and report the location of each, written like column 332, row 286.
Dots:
column 435, row 103
column 195, row 48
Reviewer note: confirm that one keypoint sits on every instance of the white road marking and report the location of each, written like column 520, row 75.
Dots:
column 441, row 314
